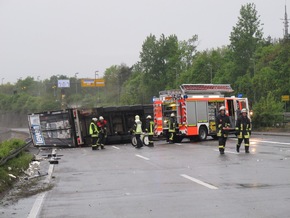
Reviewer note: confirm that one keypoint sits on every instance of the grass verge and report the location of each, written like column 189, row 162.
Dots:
column 14, row 167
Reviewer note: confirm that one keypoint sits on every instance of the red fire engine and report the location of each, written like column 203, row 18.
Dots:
column 195, row 107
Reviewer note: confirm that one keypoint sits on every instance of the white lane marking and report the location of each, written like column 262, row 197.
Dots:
column 116, row 147
column 145, row 158
column 178, row 144
column 37, row 205
column 198, row 181
column 271, row 142
column 40, row 198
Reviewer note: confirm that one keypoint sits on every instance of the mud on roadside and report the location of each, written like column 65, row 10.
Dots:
column 24, row 189
column 31, row 182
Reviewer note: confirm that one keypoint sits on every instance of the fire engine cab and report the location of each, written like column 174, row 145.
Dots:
column 195, row 107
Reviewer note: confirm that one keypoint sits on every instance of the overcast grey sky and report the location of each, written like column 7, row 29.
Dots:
column 50, row 37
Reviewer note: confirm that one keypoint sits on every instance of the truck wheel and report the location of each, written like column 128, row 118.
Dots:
column 145, row 140
column 134, row 141
column 202, row 133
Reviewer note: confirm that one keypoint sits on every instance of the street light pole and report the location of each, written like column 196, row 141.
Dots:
column 38, row 85
column 96, row 74
column 76, row 83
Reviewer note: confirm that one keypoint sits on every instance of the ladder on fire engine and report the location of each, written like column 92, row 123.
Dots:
column 216, row 89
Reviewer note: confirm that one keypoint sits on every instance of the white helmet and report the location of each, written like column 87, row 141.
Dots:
column 101, row 118
column 94, row 119
column 148, row 117
column 137, row 117
column 172, row 114
column 244, row 110
column 222, row 108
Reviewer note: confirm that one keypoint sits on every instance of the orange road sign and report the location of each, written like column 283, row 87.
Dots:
column 92, row 82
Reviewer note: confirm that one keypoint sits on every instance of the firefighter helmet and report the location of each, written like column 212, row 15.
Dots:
column 172, row 114
column 137, row 117
column 101, row 118
column 149, row 117
column 222, row 108
column 244, row 110
column 94, row 119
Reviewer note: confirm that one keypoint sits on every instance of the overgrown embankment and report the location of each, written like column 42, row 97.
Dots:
column 11, row 169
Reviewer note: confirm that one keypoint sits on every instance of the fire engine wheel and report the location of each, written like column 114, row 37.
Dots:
column 134, row 141
column 178, row 139
column 145, row 140
column 202, row 133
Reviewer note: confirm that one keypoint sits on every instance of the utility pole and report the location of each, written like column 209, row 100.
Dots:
column 76, row 83
column 286, row 24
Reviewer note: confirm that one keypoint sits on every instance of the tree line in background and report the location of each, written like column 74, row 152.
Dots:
column 256, row 67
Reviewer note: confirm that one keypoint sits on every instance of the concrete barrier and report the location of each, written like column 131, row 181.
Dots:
column 5, row 134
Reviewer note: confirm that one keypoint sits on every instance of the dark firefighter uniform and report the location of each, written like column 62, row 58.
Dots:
column 171, row 128
column 93, row 131
column 243, row 131
column 222, row 123
column 150, row 130
column 102, row 126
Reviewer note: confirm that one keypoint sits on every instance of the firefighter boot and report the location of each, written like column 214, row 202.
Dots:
column 238, row 148
column 102, row 146
column 222, row 150
column 247, row 149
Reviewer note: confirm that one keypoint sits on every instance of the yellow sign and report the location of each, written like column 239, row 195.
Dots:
column 100, row 82
column 92, row 82
column 285, row 98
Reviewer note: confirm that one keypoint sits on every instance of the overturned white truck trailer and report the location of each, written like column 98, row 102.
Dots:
column 70, row 127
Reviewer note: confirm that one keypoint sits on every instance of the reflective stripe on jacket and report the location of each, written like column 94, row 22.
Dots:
column 222, row 122
column 93, row 130
column 172, row 124
column 243, row 127
column 137, row 127
column 150, row 127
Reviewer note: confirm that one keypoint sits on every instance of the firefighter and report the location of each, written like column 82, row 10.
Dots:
column 150, row 130
column 171, row 127
column 137, row 131
column 102, row 126
column 94, row 132
column 222, row 123
column 243, row 130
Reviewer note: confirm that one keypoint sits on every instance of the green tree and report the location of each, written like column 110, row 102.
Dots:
column 163, row 61
column 245, row 38
column 133, row 90
column 267, row 112
column 115, row 77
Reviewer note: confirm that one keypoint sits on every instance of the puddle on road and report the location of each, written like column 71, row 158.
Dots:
column 255, row 185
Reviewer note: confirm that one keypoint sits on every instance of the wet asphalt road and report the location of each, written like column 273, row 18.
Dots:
column 170, row 180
